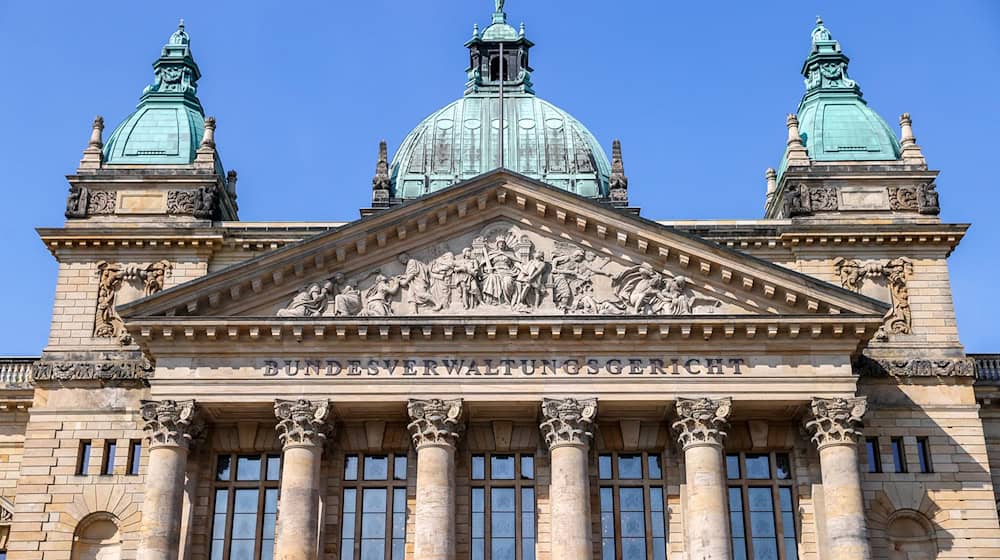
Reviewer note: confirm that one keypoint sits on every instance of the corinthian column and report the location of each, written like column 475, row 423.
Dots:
column 171, row 427
column 701, row 431
column 835, row 426
column 435, row 426
column 567, row 431
column 302, row 429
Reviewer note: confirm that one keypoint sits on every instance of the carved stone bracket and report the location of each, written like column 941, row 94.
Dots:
column 302, row 422
column 172, row 423
column 702, row 421
column 115, row 372
column 897, row 273
column 107, row 323
column 568, row 421
column 922, row 198
column 202, row 202
column 435, row 422
column 947, row 367
column 836, row 421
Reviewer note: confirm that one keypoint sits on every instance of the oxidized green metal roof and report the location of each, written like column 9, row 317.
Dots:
column 167, row 125
column 835, row 122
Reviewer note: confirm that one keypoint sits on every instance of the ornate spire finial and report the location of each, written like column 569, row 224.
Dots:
column 618, row 181
column 772, row 181
column 521, row 33
column 911, row 152
column 381, row 182
column 821, row 33
column 179, row 37
column 499, row 5
column 796, row 149
column 475, row 30
column 95, row 133
column 208, row 137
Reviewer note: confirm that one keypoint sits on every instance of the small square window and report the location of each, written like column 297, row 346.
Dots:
column 874, row 457
column 83, row 458
column 898, row 455
column 108, row 461
column 924, row 454
column 134, row 456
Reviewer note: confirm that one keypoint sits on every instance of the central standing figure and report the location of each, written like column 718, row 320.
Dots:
column 500, row 270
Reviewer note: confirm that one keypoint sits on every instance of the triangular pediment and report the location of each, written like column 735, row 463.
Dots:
column 502, row 245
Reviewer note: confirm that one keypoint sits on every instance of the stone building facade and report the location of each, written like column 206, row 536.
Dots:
column 502, row 359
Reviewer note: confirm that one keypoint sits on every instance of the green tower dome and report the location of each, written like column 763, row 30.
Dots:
column 462, row 139
column 167, row 125
column 835, row 122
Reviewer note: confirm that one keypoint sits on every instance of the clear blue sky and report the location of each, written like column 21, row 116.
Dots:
column 303, row 91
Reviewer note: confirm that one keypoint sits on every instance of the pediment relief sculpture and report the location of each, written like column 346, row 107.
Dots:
column 502, row 269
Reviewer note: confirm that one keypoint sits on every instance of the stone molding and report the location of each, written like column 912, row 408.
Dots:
column 172, row 423
column 107, row 323
column 568, row 421
column 435, row 422
column 702, row 421
column 918, row 367
column 302, row 422
column 897, row 273
column 112, row 372
column 836, row 421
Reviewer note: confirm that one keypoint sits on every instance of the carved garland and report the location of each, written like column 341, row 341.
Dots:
column 897, row 273
column 107, row 323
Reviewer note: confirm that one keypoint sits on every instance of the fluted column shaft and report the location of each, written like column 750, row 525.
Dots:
column 435, row 427
column 567, row 429
column 701, row 431
column 302, row 428
column 836, row 428
column 171, row 427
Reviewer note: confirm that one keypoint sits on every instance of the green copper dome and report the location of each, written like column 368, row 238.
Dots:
column 167, row 126
column 835, row 122
column 462, row 139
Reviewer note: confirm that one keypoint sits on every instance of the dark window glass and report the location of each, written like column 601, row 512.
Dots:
column 503, row 507
column 245, row 508
column 134, row 456
column 373, row 518
column 633, row 523
column 83, row 458
column 898, row 455
column 108, row 461
column 874, row 457
column 761, row 514
column 924, row 454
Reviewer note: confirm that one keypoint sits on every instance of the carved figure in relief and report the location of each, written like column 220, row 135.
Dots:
column 310, row 302
column 466, row 278
column 442, row 270
column 639, row 287
column 572, row 279
column 417, row 280
column 500, row 266
column 348, row 302
column 378, row 298
column 531, row 283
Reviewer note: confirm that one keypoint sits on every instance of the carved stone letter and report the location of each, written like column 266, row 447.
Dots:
column 302, row 422
column 435, row 422
column 171, row 423
column 836, row 421
column 568, row 421
column 702, row 421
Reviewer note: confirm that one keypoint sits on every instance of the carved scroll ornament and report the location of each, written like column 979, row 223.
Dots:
column 200, row 203
column 504, row 270
column 896, row 273
column 107, row 372
column 803, row 200
column 171, row 423
column 922, row 198
column 836, row 421
column 107, row 323
column 435, row 421
column 302, row 422
column 702, row 421
column 568, row 421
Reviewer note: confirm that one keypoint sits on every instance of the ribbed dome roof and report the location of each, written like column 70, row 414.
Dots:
column 460, row 141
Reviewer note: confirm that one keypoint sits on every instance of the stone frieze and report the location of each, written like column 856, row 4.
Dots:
column 919, row 367
column 110, row 372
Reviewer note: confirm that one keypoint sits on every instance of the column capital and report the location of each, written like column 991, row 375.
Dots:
column 836, row 421
column 702, row 421
column 435, row 421
column 171, row 423
column 302, row 422
column 568, row 421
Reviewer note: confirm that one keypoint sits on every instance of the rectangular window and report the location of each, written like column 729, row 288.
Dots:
column 245, row 506
column 108, row 461
column 134, row 456
column 924, row 454
column 898, row 455
column 633, row 524
column 503, row 506
column 373, row 521
column 761, row 506
column 83, row 458
column 874, row 457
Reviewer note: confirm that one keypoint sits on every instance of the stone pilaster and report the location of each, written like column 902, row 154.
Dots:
column 701, row 432
column 171, row 427
column 435, row 426
column 567, row 429
column 835, row 425
column 302, row 429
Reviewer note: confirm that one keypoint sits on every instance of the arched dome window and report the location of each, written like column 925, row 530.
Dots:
column 97, row 538
column 911, row 536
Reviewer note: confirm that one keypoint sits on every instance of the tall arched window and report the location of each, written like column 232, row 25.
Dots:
column 97, row 538
column 911, row 537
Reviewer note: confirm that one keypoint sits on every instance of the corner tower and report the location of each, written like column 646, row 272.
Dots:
column 462, row 140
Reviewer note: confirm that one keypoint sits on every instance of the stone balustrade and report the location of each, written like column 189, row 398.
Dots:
column 15, row 372
column 987, row 368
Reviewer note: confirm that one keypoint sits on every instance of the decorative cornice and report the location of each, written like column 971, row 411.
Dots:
column 702, row 421
column 916, row 367
column 836, row 421
column 302, row 422
column 172, row 423
column 112, row 372
column 435, row 422
column 568, row 421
